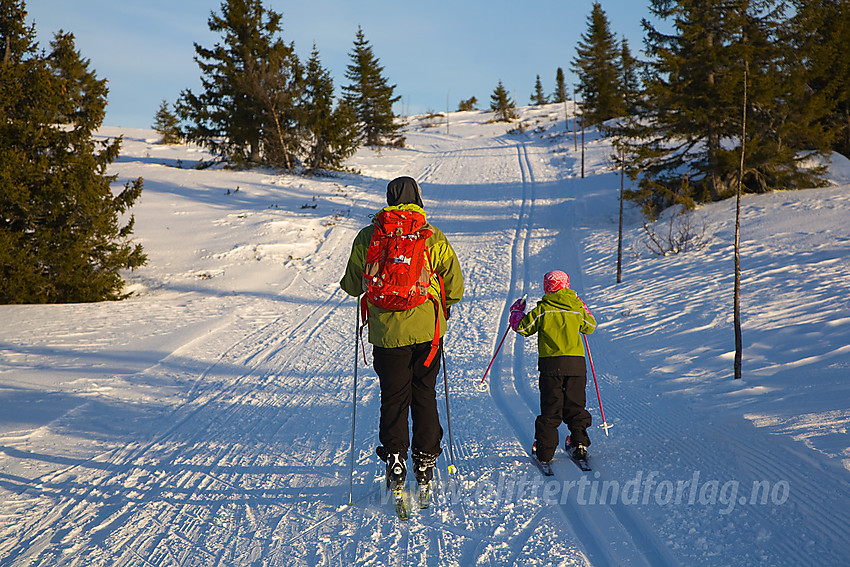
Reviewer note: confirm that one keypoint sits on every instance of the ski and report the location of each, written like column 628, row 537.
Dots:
column 580, row 463
column 400, row 504
column 424, row 495
column 545, row 468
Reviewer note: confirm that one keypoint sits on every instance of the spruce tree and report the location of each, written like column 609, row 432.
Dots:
column 467, row 105
column 785, row 126
column 596, row 67
column 166, row 124
column 331, row 131
column 538, row 97
column 628, row 81
column 61, row 236
column 502, row 105
column 686, row 137
column 370, row 95
column 560, row 94
column 251, row 82
column 818, row 35
column 692, row 91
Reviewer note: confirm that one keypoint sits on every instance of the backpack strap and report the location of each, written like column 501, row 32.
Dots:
column 435, row 343
column 437, row 340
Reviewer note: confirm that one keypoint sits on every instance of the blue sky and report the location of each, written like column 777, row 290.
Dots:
column 437, row 53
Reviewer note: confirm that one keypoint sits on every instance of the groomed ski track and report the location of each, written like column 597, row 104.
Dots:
column 236, row 449
column 607, row 535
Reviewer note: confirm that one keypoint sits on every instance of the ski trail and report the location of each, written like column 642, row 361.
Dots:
column 592, row 524
column 567, row 255
column 504, row 392
column 127, row 466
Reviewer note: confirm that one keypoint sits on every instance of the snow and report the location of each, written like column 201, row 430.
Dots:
column 207, row 419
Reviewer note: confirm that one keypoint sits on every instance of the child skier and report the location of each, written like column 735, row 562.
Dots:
column 559, row 319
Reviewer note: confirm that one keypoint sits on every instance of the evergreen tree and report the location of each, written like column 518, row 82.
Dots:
column 785, row 124
column 628, row 81
column 166, row 124
column 502, row 105
column 61, row 237
column 686, row 137
column 331, row 131
column 275, row 83
column 538, row 98
column 468, row 104
column 251, row 82
column 819, row 32
column 560, row 94
column 597, row 69
column 371, row 96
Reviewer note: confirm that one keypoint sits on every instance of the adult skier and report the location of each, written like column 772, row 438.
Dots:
column 406, row 342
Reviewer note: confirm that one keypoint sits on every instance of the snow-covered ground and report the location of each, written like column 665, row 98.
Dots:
column 207, row 420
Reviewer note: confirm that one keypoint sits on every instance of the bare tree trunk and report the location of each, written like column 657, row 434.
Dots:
column 280, row 139
column 713, row 141
column 582, row 143
column 620, row 235
column 575, row 122
column 737, row 307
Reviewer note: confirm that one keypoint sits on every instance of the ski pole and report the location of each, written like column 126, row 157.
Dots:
column 452, row 467
column 480, row 385
column 353, row 406
column 604, row 425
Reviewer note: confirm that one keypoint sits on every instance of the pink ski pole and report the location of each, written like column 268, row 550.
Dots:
column 480, row 385
column 604, row 425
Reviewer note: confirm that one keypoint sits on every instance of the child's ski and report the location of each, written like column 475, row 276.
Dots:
column 545, row 468
column 581, row 463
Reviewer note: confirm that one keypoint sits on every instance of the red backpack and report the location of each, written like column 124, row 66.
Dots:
column 398, row 271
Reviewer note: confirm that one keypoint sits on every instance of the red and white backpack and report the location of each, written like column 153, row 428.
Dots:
column 398, row 271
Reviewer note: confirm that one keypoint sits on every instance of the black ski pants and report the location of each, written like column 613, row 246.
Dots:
column 562, row 398
column 408, row 386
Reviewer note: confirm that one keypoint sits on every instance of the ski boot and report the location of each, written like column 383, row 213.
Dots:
column 396, row 472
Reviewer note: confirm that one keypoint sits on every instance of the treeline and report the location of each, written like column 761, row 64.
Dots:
column 677, row 116
column 261, row 105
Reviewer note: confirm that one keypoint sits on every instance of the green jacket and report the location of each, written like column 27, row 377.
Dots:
column 559, row 319
column 391, row 329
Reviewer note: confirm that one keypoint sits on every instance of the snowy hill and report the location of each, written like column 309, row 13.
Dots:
column 207, row 420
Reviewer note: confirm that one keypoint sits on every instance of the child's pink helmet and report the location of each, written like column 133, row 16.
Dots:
column 555, row 280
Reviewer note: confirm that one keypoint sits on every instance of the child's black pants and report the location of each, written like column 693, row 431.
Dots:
column 562, row 399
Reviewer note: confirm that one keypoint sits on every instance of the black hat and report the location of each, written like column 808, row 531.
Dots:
column 404, row 191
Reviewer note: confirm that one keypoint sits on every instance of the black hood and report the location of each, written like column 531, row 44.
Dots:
column 404, row 191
